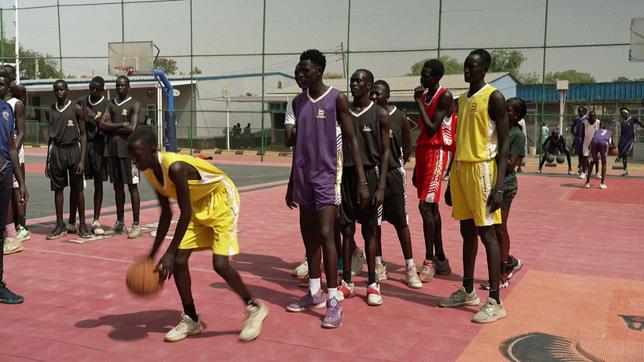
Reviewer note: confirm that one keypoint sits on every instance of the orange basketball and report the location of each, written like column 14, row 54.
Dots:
column 141, row 279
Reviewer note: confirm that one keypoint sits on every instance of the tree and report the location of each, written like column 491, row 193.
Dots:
column 196, row 70
column 452, row 66
column 506, row 61
column 528, row 78
column 169, row 66
column 571, row 75
column 621, row 78
column 48, row 66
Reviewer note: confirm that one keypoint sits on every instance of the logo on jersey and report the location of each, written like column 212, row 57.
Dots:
column 98, row 115
column 124, row 112
column 366, row 128
column 5, row 115
column 70, row 123
column 473, row 107
column 391, row 133
column 321, row 114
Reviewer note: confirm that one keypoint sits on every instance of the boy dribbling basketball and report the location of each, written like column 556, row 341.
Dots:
column 209, row 205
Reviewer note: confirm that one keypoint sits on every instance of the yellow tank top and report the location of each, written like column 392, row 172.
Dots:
column 475, row 131
column 212, row 178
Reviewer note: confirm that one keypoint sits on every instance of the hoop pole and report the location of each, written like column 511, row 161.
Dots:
column 170, row 117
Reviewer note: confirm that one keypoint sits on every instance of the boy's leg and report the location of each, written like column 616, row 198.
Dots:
column 136, row 203
column 488, row 237
column 348, row 236
column 132, row 184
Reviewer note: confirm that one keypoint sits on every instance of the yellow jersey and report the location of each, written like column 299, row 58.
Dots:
column 475, row 132
column 212, row 178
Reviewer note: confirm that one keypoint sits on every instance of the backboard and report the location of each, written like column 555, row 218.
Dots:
column 130, row 58
column 636, row 53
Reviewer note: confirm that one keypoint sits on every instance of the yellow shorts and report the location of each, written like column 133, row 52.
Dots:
column 470, row 185
column 214, row 222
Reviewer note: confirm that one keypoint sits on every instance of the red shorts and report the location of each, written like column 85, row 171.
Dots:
column 431, row 162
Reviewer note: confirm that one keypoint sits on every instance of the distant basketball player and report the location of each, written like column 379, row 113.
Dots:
column 121, row 119
column 598, row 150
column 576, row 129
column 626, row 136
column 553, row 144
column 588, row 128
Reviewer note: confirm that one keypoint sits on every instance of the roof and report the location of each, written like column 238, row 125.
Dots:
column 402, row 88
column 76, row 84
column 611, row 91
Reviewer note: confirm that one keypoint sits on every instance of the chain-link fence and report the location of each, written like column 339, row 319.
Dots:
column 232, row 62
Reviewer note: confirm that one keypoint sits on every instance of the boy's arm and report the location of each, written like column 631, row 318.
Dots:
column 351, row 142
column 105, row 122
column 499, row 114
column 129, row 127
column 19, row 113
column 179, row 176
column 164, row 224
column 48, row 146
column 637, row 121
column 80, row 116
column 406, row 138
column 17, row 172
column 385, row 152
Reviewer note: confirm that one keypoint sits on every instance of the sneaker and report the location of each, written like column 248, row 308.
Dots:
column 71, row 228
column 515, row 269
column 624, row 174
column 582, row 175
column 357, row 261
column 460, row 298
column 442, row 267
column 381, row 272
column 12, row 246
column 83, row 231
column 570, row 172
column 9, row 297
column 603, row 186
column 345, row 290
column 428, row 272
column 490, row 312
column 538, row 171
column 598, row 176
column 307, row 302
column 255, row 315
column 117, row 229
column 58, row 231
column 412, row 279
column 334, row 314
column 503, row 283
column 304, row 282
column 187, row 327
column 97, row 229
column 587, row 185
column 135, row 232
column 373, row 294
column 301, row 270
column 22, row 234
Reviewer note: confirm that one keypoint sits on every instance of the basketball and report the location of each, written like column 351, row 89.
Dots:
column 550, row 158
column 141, row 279
column 561, row 158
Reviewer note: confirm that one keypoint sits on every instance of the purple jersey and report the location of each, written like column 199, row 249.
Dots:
column 627, row 131
column 602, row 136
column 317, row 164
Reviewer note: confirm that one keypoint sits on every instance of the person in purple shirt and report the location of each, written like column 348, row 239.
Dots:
column 626, row 136
column 598, row 148
column 323, row 124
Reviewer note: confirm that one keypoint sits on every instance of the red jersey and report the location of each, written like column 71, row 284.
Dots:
column 447, row 132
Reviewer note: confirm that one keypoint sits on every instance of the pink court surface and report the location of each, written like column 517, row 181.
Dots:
column 580, row 295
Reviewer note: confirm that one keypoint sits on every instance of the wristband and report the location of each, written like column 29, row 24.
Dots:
column 499, row 191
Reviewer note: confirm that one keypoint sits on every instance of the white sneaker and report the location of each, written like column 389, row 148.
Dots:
column 11, row 246
column 187, row 327
column 587, row 185
column 345, row 290
column 411, row 277
column 22, row 234
column 598, row 176
column 96, row 228
column 381, row 272
column 357, row 261
column 301, row 270
column 460, row 298
column 253, row 323
column 490, row 312
column 582, row 175
column 373, row 294
column 603, row 186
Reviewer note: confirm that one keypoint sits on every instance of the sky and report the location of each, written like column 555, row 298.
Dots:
column 224, row 30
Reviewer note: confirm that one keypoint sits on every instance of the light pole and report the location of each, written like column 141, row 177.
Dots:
column 226, row 95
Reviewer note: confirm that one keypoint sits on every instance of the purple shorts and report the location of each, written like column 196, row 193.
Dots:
column 316, row 195
column 598, row 149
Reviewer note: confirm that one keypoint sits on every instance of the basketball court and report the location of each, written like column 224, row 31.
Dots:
column 579, row 296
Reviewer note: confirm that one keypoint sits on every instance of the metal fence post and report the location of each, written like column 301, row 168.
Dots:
column 543, row 78
column 440, row 16
column 348, row 43
column 60, row 44
column 192, row 83
column 262, row 148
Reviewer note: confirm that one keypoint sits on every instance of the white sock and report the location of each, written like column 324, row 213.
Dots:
column 409, row 262
column 332, row 292
column 379, row 260
column 314, row 285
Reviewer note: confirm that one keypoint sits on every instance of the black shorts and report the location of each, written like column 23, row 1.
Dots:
column 95, row 164
column 122, row 170
column 350, row 212
column 394, row 209
column 63, row 161
column 508, row 197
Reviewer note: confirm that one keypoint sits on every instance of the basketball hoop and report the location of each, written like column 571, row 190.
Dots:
column 123, row 70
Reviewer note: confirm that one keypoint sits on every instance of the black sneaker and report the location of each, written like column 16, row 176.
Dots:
column 118, row 228
column 9, row 297
column 57, row 232
column 83, row 231
column 71, row 228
